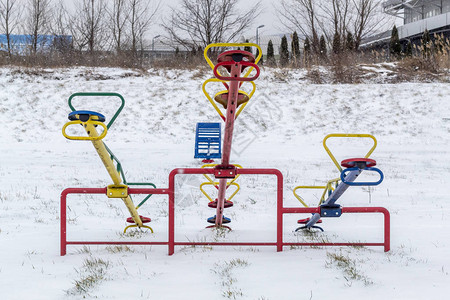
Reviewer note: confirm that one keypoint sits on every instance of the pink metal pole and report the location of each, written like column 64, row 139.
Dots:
column 233, row 93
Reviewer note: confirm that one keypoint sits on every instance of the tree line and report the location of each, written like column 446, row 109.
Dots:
column 119, row 26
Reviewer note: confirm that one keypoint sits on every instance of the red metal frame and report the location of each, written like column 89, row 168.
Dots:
column 295, row 210
column 171, row 243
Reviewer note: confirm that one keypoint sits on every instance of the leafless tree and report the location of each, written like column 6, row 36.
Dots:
column 87, row 25
column 367, row 19
column 201, row 22
column 301, row 15
column 141, row 13
column 10, row 15
column 330, row 17
column 118, row 15
column 38, row 20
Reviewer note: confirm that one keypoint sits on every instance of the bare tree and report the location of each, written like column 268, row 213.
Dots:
column 141, row 14
column 367, row 20
column 10, row 15
column 38, row 19
column 119, row 16
column 201, row 22
column 87, row 25
column 301, row 15
column 331, row 17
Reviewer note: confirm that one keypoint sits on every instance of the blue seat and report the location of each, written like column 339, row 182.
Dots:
column 208, row 141
column 83, row 115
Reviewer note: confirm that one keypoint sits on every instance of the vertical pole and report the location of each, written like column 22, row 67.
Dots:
column 171, row 239
column 63, row 238
column 279, row 212
column 233, row 93
column 387, row 230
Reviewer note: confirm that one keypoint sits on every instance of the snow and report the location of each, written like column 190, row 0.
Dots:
column 282, row 128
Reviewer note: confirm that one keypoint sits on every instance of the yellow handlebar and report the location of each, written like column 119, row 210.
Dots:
column 85, row 138
column 348, row 135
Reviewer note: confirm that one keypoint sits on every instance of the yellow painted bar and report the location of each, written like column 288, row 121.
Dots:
column 348, row 135
column 109, row 165
column 216, row 183
column 214, row 104
column 84, row 138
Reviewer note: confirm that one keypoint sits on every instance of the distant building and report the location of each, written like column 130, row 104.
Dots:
column 21, row 44
column 417, row 16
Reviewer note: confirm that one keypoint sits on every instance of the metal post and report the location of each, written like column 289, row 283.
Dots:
column 257, row 39
column 233, row 92
column 153, row 45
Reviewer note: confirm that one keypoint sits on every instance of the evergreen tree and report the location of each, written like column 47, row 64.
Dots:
column 295, row 49
column 426, row 43
column 248, row 48
column 337, row 43
column 315, row 43
column 270, row 54
column 323, row 47
column 395, row 48
column 307, row 46
column 408, row 50
column 350, row 43
column 284, row 52
column 307, row 50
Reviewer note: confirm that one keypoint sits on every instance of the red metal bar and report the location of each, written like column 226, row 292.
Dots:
column 63, row 238
column 311, row 210
column 186, row 171
column 233, row 93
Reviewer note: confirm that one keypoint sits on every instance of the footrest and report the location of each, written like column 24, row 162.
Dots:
column 213, row 204
column 143, row 219
column 225, row 220
column 304, row 221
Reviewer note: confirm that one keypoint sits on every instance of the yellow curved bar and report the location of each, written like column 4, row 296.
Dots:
column 249, row 97
column 85, row 138
column 326, row 188
column 214, row 104
column 302, row 201
column 216, row 183
column 210, row 63
column 348, row 135
column 142, row 226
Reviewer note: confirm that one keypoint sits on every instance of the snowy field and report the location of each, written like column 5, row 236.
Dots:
column 282, row 128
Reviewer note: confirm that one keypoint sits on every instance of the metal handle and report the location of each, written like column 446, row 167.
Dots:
column 352, row 183
column 84, row 138
column 347, row 136
column 231, row 63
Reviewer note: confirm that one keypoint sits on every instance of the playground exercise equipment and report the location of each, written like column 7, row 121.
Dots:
column 335, row 188
column 235, row 62
column 208, row 142
column 90, row 120
column 222, row 175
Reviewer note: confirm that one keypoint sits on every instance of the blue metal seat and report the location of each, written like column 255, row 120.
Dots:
column 208, row 141
column 83, row 115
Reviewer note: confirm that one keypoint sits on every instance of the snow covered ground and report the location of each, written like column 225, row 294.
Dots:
column 282, row 128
